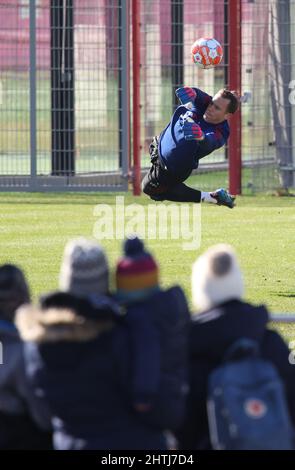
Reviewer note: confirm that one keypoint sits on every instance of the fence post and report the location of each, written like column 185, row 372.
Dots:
column 124, row 91
column 136, row 96
column 234, row 77
column 62, row 87
column 33, row 126
column 177, row 47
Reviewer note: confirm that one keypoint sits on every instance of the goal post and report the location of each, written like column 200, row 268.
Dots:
column 234, row 78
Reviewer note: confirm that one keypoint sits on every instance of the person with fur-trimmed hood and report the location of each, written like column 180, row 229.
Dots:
column 78, row 355
column 20, row 427
column 217, row 290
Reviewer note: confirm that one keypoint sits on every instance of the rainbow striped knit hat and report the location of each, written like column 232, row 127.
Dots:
column 137, row 273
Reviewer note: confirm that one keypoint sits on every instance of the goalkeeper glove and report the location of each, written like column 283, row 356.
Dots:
column 191, row 130
column 186, row 95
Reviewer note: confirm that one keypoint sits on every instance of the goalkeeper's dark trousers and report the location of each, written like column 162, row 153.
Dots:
column 161, row 185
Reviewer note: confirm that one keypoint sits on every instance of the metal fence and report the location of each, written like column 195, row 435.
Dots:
column 66, row 70
column 267, row 59
column 169, row 28
column 63, row 111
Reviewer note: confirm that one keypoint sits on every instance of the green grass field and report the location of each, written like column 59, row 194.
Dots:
column 35, row 228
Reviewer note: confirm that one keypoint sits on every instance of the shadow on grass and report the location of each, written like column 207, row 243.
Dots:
column 60, row 198
column 286, row 294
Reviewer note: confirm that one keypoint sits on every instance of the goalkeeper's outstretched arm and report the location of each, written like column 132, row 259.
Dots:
column 192, row 97
column 186, row 96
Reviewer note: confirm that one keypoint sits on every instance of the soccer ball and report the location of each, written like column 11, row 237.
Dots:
column 206, row 53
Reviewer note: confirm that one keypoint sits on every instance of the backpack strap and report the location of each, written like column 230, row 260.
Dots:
column 243, row 347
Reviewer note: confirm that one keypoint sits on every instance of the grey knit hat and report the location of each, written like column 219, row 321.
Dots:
column 216, row 277
column 84, row 268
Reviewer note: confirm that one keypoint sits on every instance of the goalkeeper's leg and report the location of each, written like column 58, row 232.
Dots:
column 183, row 193
column 160, row 185
column 178, row 193
column 157, row 181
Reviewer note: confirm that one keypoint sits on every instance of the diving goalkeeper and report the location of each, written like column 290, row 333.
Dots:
column 198, row 127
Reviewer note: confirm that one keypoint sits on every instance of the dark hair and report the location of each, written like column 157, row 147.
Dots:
column 232, row 96
column 14, row 291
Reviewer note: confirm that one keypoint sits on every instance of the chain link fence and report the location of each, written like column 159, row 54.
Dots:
column 61, row 95
column 268, row 121
column 64, row 89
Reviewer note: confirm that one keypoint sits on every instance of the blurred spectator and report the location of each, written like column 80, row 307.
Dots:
column 217, row 289
column 18, row 430
column 79, row 356
column 84, row 269
column 158, row 323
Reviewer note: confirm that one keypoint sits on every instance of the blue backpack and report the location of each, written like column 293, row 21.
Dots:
column 246, row 402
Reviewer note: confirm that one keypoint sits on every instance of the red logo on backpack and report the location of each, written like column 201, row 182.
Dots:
column 255, row 408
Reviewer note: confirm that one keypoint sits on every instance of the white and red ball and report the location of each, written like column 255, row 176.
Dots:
column 207, row 53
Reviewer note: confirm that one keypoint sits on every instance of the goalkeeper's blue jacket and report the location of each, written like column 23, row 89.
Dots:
column 181, row 156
